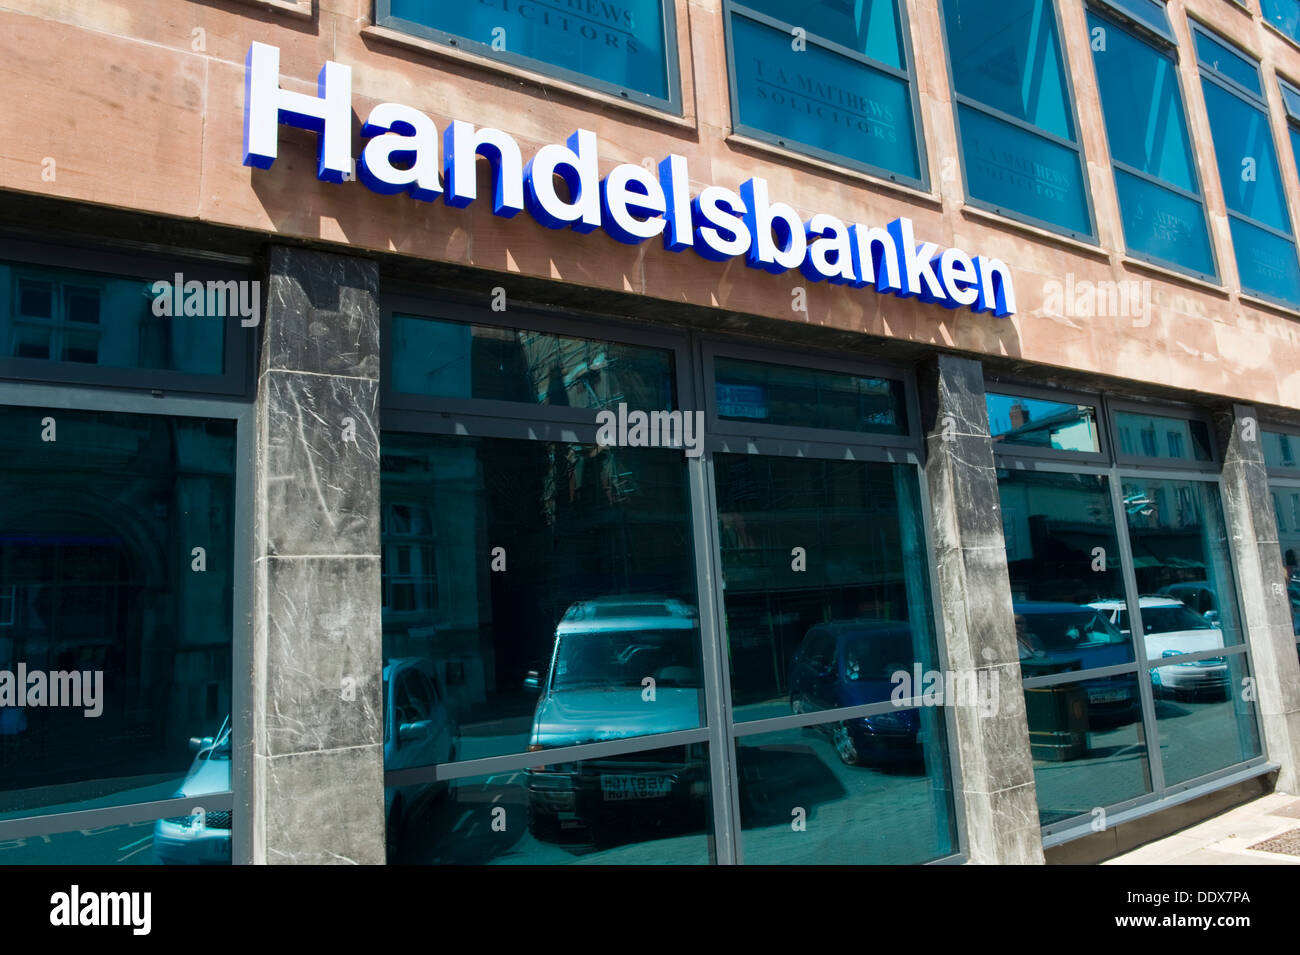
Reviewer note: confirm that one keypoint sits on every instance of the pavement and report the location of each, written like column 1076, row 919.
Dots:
column 1264, row 831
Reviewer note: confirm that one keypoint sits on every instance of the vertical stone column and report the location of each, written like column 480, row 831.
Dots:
column 317, row 769
column 997, row 780
column 1265, row 609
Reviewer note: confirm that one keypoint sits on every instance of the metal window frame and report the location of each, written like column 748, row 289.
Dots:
column 240, row 343
column 672, row 104
column 1090, row 237
column 239, row 798
column 1013, row 389
column 718, row 729
column 907, row 75
column 1166, row 47
column 1117, row 405
column 1293, row 432
column 1128, row 20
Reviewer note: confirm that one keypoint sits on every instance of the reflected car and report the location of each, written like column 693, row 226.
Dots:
column 419, row 730
column 1170, row 630
column 1059, row 637
column 849, row 663
column 597, row 687
column 201, row 838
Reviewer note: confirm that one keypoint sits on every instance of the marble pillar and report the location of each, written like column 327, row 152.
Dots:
column 317, row 761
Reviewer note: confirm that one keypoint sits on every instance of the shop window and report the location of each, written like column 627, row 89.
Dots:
column 1155, row 173
column 1158, row 436
column 108, row 594
column 626, row 48
column 828, row 78
column 1283, row 14
column 1015, row 117
column 807, row 397
column 65, row 316
column 1248, row 171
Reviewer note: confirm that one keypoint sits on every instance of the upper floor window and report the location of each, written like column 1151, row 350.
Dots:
column 625, row 47
column 1015, row 117
column 1283, row 14
column 1150, row 149
column 831, row 78
column 1248, row 171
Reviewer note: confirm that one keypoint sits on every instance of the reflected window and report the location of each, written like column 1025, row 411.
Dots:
column 808, row 398
column 1157, row 436
column 1037, row 423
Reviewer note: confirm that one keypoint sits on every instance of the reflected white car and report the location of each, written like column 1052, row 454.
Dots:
column 201, row 837
column 1171, row 630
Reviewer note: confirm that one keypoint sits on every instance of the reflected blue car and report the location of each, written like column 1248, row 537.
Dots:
column 1063, row 637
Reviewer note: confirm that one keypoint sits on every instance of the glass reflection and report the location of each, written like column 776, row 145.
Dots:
column 1155, row 436
column 1033, row 422
column 130, row 843
column 803, row 802
column 545, row 591
column 629, row 808
column 808, row 398
column 1201, row 734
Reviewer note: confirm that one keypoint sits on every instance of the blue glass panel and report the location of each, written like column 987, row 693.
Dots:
column 822, row 99
column 1294, row 135
column 617, row 41
column 1283, row 14
column 1016, row 170
column 1142, row 104
column 1164, row 225
column 868, row 26
column 1064, row 426
column 181, row 840
column 1228, row 62
column 1006, row 54
column 1243, row 146
column 808, row 398
column 1267, row 263
column 1150, row 12
column 1291, row 100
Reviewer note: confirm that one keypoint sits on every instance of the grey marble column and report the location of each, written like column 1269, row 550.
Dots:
column 1258, row 568
column 317, row 768
column 997, row 781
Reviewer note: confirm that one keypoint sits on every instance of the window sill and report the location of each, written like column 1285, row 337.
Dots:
column 822, row 165
column 297, row 8
column 1289, row 40
column 1047, row 235
column 406, row 40
column 1173, row 275
column 1254, row 300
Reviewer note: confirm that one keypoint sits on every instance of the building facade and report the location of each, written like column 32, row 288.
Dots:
column 824, row 432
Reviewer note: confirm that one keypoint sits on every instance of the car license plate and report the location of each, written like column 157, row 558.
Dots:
column 635, row 787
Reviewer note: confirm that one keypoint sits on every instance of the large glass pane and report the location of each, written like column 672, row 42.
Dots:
column 1266, row 263
column 630, row 809
column 873, row 790
column 1183, row 567
column 1037, row 423
column 1243, row 147
column 1016, row 170
column 61, row 315
column 620, row 44
column 821, row 99
column 1229, row 62
column 455, row 360
column 826, row 587
column 116, row 571
column 536, row 595
column 1164, row 225
column 808, row 398
column 869, row 27
column 1006, row 54
column 199, row 837
column 1158, row 436
column 1085, row 753
column 1204, row 729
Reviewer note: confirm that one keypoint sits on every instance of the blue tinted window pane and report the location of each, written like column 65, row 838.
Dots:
column 808, row 398
column 823, row 100
column 1163, row 224
column 1266, row 263
column 1294, row 136
column 1006, row 54
column 619, row 43
column 1203, row 725
column 1281, row 450
column 1143, row 106
column 90, row 572
column 455, row 360
column 1063, row 426
column 1088, row 745
column 60, row 315
column 1291, row 99
column 868, row 26
column 1243, row 146
column 1283, row 14
column 1159, row 436
column 1150, row 12
column 651, row 807
column 893, row 760
column 1228, row 62
column 180, row 840
column 1015, row 170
